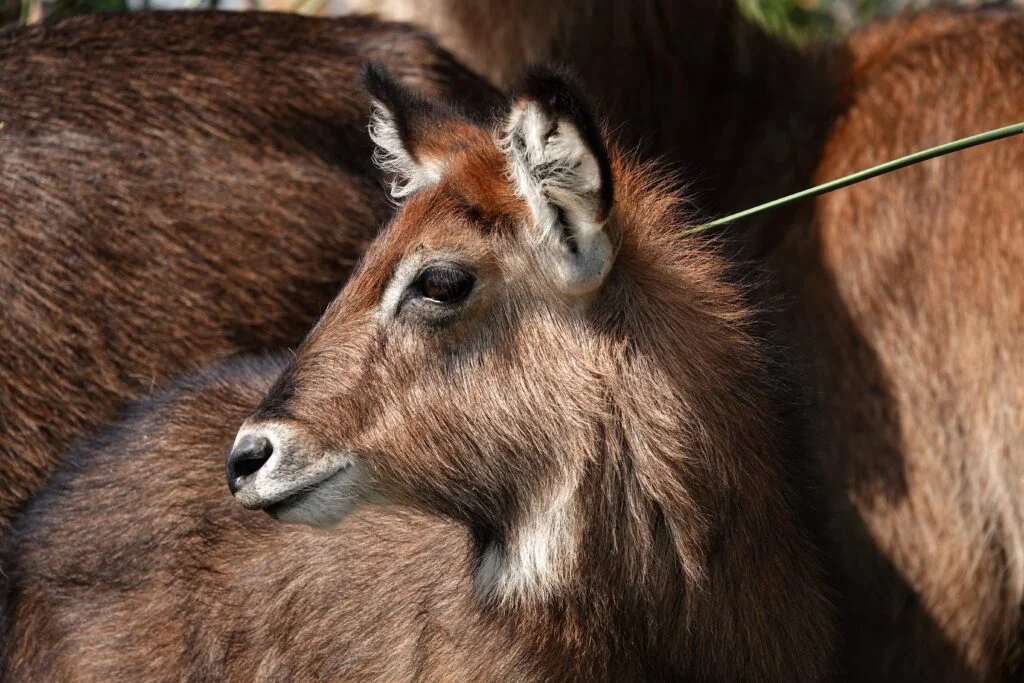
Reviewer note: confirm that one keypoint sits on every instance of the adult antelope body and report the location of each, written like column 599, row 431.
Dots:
column 175, row 188
column 550, row 435
column 901, row 296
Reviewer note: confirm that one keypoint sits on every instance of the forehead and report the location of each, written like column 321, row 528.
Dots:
column 471, row 203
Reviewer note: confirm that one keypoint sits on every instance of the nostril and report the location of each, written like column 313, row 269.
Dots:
column 247, row 466
column 246, row 458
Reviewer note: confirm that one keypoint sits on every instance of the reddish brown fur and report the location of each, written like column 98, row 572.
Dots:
column 740, row 113
column 174, row 188
column 906, row 295
column 658, row 391
column 931, row 555
column 474, row 421
column 908, row 308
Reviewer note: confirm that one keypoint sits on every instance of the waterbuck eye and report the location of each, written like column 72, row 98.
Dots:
column 444, row 284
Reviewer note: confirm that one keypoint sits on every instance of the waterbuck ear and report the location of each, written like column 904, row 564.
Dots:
column 401, row 125
column 560, row 167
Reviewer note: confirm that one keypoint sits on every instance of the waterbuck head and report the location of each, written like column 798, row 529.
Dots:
column 530, row 351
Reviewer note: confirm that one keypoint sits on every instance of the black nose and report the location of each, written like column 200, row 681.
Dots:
column 245, row 459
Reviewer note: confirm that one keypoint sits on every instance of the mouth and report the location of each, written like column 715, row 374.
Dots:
column 281, row 507
column 276, row 508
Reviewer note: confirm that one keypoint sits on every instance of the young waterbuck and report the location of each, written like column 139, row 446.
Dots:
column 532, row 351
column 546, row 427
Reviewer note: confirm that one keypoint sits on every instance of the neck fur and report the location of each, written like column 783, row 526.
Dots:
column 630, row 529
column 673, row 539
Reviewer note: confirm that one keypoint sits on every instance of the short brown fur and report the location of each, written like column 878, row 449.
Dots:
column 903, row 294
column 956, row 615
column 740, row 113
column 657, row 393
column 175, row 188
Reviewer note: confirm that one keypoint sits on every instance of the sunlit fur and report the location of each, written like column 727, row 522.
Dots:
column 557, row 176
column 156, row 217
column 407, row 174
column 899, row 295
column 552, row 486
column 614, row 454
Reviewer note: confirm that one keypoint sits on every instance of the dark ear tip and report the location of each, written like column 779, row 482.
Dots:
column 378, row 82
column 555, row 87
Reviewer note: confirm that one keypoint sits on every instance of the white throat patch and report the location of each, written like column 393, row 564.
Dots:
column 539, row 556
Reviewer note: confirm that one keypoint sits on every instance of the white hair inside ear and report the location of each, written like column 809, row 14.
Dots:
column 393, row 157
column 554, row 170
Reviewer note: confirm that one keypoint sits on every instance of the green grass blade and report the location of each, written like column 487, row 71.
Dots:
column 860, row 176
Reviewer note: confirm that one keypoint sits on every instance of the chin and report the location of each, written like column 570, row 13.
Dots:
column 324, row 506
column 311, row 516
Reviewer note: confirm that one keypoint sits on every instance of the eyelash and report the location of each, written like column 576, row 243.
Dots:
column 443, row 284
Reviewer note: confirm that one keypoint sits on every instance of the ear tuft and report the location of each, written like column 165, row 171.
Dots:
column 558, row 95
column 560, row 167
column 396, row 118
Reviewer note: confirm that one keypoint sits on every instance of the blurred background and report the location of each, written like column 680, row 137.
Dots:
column 798, row 20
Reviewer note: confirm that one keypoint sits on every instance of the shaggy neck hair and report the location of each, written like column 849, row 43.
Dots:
column 667, row 522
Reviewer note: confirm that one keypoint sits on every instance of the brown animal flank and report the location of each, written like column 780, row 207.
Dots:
column 568, row 380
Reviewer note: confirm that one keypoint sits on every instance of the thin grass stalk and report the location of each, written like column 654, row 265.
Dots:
column 867, row 174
